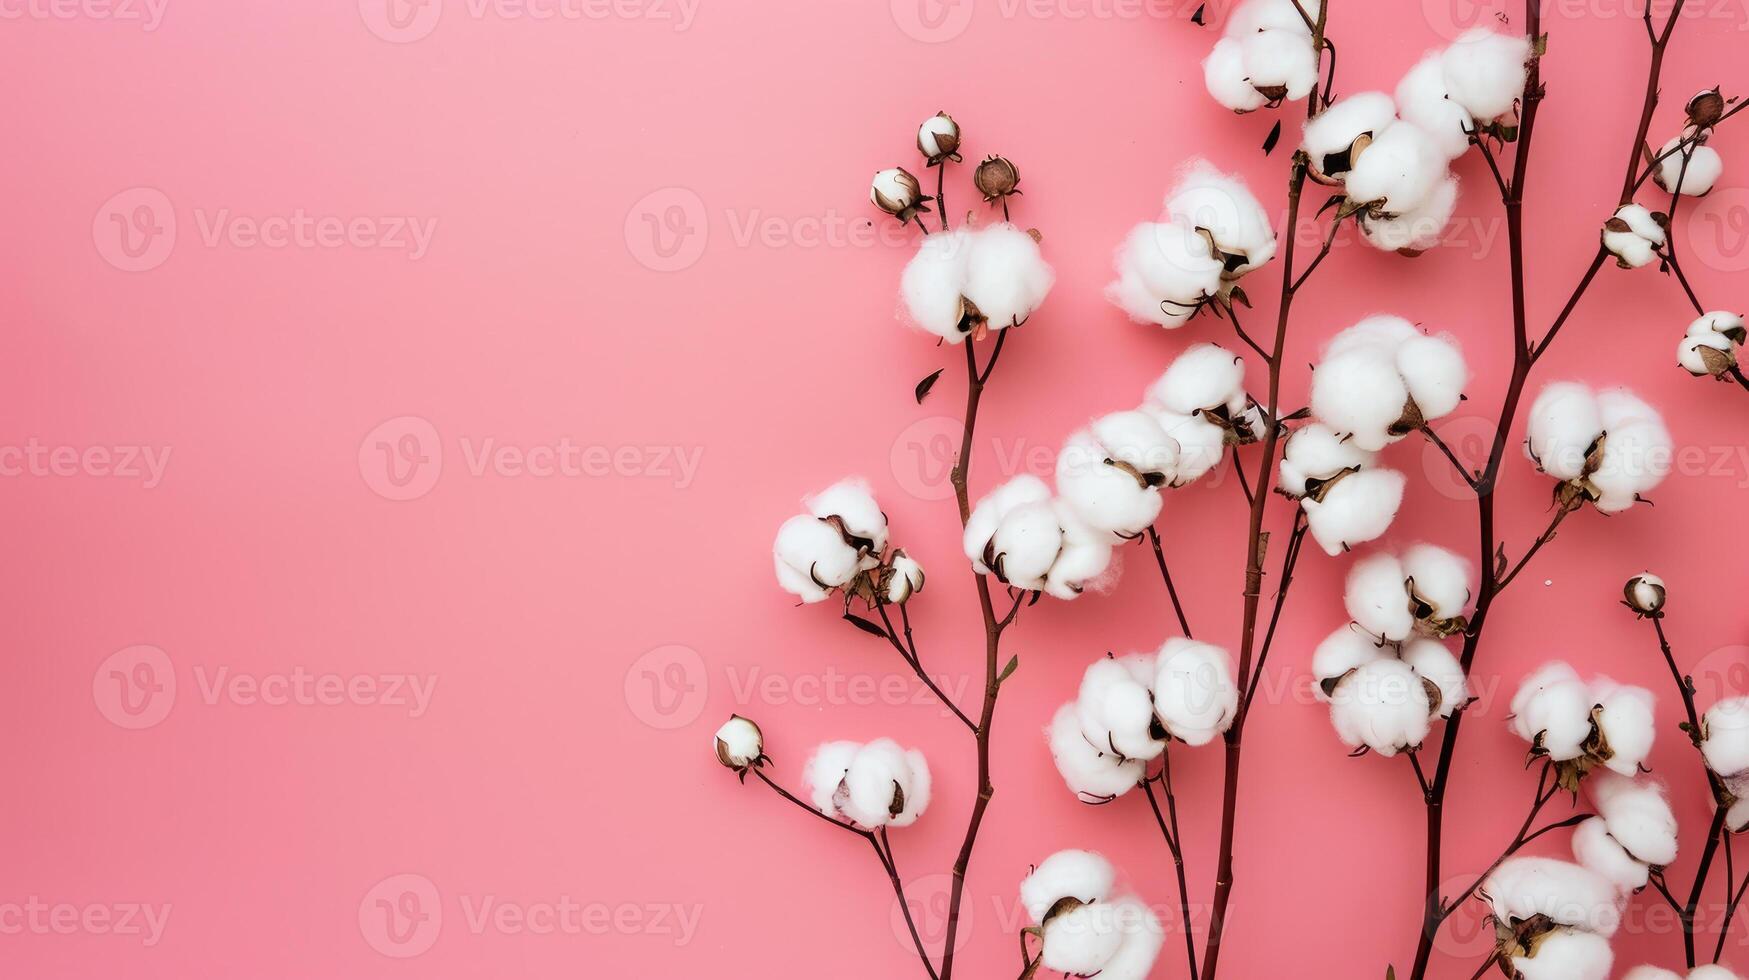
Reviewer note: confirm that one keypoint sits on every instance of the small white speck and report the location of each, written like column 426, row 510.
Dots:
column 1548, row 581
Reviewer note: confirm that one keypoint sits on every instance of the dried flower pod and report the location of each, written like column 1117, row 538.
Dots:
column 1644, row 594
column 996, row 178
column 898, row 193
column 1706, row 108
column 938, row 139
column 740, row 744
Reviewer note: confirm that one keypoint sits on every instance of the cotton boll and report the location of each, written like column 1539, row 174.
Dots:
column 852, row 503
column 1719, row 322
column 1399, row 171
column 1726, row 746
column 1314, row 454
column 905, row 580
column 1566, row 954
column 1650, row 973
column 1433, row 661
column 1223, row 74
column 1201, row 444
column 1103, row 495
column 877, row 784
column 1703, row 167
column 1638, row 816
column 1228, row 211
column 1278, row 63
column 1086, row 769
column 1081, row 940
column 1204, row 377
column 1485, row 72
column 1633, row 236
column 1421, row 99
column 1083, row 560
column 1383, row 706
column 1358, row 508
column 1567, row 893
column 1116, row 710
column 918, row 793
column 824, row 773
column 1377, row 598
column 1346, row 649
column 1164, row 272
column 1601, row 853
column 811, row 558
column 1637, row 450
column 1706, row 355
column 1359, row 392
column 1552, row 710
column 1142, row 938
column 1082, row 875
column 1433, row 368
column 739, row 743
column 1330, row 135
column 1026, row 544
column 990, row 511
column 931, row 285
column 1418, row 229
column 1645, row 593
column 1006, row 275
column 1272, row 15
column 1438, row 578
column 1381, row 333
column 1562, row 425
column 1194, row 694
column 1712, row 971
column 1624, row 719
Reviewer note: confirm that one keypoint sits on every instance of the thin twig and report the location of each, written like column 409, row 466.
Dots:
column 1160, row 558
column 916, row 665
column 1456, row 464
column 1170, row 833
column 1535, row 546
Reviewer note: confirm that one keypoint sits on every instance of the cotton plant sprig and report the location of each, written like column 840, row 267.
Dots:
column 1720, row 736
column 1082, row 929
column 967, row 286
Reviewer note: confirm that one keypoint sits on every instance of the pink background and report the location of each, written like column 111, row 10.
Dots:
column 587, row 632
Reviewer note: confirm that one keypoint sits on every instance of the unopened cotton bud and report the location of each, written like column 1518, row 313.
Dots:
column 1696, row 168
column 938, row 138
column 740, row 744
column 1484, row 72
column 1634, row 235
column 1088, row 770
column 996, row 178
column 1565, row 954
column 1194, row 694
column 1705, row 109
column 1422, row 99
column 1337, row 136
column 1084, row 876
column 897, row 192
column 906, row 578
column 1400, row 169
column 1383, row 705
column 1645, row 593
column 1568, row 894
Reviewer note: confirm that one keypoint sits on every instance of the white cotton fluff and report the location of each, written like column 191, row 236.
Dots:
column 1142, row 938
column 906, row 580
column 1737, row 817
column 1201, row 444
column 1382, row 332
column 1376, row 596
column 824, row 773
column 1204, row 377
column 811, row 558
column 1223, row 74
column 1633, row 236
column 1567, row 893
column 1085, row 768
column 1084, row 560
column 1116, row 708
column 1439, row 578
column 1434, row 661
column 1637, row 814
column 1359, row 393
column 1330, row 134
column 1719, row 322
column 1194, row 694
column 852, row 502
column 1562, row 425
column 1082, row 875
column 739, row 742
column 1603, row 854
column 934, row 281
column 1637, row 450
column 1026, row 545
column 1358, row 509
column 1552, row 709
column 1276, row 59
column 1434, row 370
column 1422, row 99
column 1105, row 496
column 882, row 778
column 1400, row 170
column 1346, row 649
column 1712, row 971
column 1315, row 453
column 1485, row 72
column 1164, row 273
column 1383, row 706
column 1082, row 939
column 993, row 509
column 1624, row 718
column 1417, row 229
column 1566, row 954
column 1689, row 352
column 1272, row 15
column 1222, row 205
column 1006, row 275
column 1652, row 973
column 1726, row 746
column 1703, row 168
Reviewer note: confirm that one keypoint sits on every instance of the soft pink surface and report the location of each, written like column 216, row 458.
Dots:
column 564, row 755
